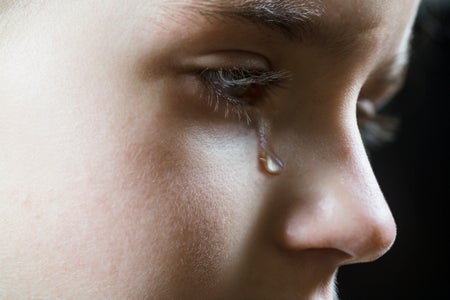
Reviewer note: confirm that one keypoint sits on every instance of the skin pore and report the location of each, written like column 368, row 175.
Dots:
column 125, row 173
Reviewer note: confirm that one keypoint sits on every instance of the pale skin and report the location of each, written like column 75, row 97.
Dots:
column 118, row 180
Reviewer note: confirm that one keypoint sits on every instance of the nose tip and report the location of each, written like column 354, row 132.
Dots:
column 363, row 229
column 379, row 240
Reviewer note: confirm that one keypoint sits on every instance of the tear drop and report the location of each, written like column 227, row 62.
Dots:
column 270, row 162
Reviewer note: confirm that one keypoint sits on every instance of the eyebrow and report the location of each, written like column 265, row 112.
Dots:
column 293, row 19
column 299, row 20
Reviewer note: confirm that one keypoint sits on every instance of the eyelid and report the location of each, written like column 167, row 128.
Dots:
column 227, row 59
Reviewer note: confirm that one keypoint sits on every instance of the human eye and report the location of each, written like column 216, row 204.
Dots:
column 240, row 91
column 376, row 128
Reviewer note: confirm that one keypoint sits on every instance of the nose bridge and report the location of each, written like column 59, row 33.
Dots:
column 336, row 203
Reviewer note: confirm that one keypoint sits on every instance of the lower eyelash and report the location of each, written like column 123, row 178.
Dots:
column 241, row 112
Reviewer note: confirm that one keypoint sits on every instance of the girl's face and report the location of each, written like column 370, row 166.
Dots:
column 141, row 146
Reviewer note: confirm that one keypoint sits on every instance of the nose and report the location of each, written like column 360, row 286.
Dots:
column 336, row 203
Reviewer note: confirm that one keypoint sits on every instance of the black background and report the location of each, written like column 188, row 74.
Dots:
column 414, row 174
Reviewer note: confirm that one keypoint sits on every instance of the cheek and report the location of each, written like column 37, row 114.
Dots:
column 135, row 200
column 192, row 184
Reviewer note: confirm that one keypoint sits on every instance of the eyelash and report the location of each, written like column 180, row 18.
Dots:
column 377, row 129
column 240, row 91
column 221, row 83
